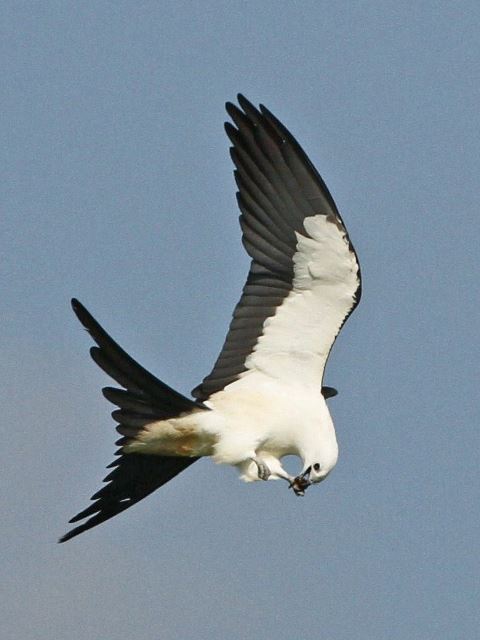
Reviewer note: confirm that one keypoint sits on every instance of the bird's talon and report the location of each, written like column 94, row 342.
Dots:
column 262, row 469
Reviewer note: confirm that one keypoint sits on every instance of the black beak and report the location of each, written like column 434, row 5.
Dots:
column 301, row 482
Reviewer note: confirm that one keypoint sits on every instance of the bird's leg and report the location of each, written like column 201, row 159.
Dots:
column 270, row 468
column 263, row 470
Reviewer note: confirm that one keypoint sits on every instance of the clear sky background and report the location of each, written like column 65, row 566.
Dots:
column 117, row 188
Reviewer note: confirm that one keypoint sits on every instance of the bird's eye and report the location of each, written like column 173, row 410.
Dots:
column 316, row 466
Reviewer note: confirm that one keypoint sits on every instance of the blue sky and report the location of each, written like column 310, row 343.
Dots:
column 118, row 189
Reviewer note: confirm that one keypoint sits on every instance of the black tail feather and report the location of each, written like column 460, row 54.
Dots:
column 144, row 399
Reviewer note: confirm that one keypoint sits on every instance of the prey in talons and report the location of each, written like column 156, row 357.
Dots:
column 301, row 483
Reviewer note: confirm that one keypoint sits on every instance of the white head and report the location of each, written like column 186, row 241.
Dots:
column 319, row 454
column 312, row 474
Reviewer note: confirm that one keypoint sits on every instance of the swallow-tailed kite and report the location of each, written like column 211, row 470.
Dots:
column 264, row 398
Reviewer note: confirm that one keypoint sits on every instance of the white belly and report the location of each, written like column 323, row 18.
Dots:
column 256, row 414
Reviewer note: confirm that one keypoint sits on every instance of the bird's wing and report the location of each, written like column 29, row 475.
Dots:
column 304, row 279
column 142, row 400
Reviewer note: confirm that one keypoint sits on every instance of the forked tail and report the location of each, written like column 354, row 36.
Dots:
column 142, row 400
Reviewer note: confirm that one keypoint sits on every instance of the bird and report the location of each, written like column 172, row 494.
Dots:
column 264, row 399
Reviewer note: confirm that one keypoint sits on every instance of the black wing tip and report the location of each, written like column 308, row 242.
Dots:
column 230, row 106
column 240, row 98
column 234, row 111
column 230, row 129
column 83, row 315
column 244, row 103
column 265, row 111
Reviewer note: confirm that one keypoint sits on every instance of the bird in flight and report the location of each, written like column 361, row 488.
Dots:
column 264, row 398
